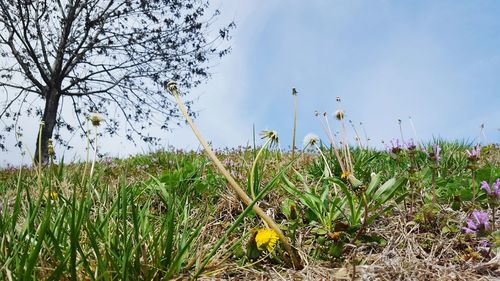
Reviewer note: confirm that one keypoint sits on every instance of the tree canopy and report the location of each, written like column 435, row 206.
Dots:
column 105, row 56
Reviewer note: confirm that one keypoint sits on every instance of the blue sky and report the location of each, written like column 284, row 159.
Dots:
column 436, row 61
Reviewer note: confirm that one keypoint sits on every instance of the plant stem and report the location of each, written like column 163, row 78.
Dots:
column 366, row 136
column 412, row 203
column 358, row 139
column 347, row 153
column 434, row 184
column 172, row 87
column 254, row 167
column 40, row 156
column 95, row 153
column 474, row 187
column 493, row 211
column 401, row 132
column 324, row 159
column 294, row 93
column 327, row 166
column 414, row 131
column 333, row 141
column 363, row 225
column 87, row 154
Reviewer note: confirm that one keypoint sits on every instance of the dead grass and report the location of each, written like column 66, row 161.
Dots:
column 410, row 253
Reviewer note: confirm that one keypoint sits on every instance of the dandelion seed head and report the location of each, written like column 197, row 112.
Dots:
column 172, row 87
column 310, row 140
column 270, row 134
column 96, row 119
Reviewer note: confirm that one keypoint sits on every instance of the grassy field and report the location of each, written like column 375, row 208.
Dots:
column 411, row 212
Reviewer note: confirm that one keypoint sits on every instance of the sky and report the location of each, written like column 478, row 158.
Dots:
column 436, row 61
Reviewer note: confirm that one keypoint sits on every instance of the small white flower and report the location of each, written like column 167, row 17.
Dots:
column 310, row 139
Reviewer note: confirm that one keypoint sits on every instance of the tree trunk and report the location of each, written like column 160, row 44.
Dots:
column 49, row 118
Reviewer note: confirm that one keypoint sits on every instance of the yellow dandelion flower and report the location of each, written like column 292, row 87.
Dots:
column 266, row 239
column 53, row 195
column 344, row 175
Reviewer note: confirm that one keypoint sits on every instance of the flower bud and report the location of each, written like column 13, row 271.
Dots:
column 172, row 87
column 50, row 148
column 96, row 119
column 339, row 114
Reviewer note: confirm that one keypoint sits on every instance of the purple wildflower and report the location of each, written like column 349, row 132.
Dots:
column 434, row 155
column 474, row 154
column 484, row 243
column 410, row 145
column 486, row 187
column 227, row 162
column 436, row 150
column 494, row 190
column 142, row 167
column 395, row 146
column 478, row 222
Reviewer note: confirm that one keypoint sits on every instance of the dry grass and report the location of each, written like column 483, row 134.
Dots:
column 401, row 259
column 410, row 253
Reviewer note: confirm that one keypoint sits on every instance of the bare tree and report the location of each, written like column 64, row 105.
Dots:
column 102, row 56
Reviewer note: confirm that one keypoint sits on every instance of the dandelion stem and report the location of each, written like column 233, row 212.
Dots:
column 474, row 187
column 87, row 149
column 366, row 135
column 434, row 171
column 347, row 153
column 172, row 87
column 254, row 167
column 365, row 218
column 413, row 129
column 294, row 93
column 40, row 156
column 493, row 213
column 95, row 153
column 401, row 131
column 330, row 174
column 333, row 141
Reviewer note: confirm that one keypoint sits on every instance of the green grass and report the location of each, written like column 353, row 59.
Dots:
column 162, row 216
